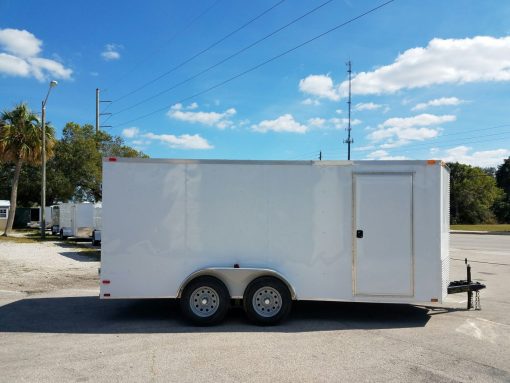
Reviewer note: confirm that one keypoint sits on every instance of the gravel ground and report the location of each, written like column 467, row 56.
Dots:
column 39, row 267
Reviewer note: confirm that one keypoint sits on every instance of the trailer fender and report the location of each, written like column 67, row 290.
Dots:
column 236, row 279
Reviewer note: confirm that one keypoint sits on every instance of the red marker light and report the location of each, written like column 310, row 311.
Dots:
column 112, row 159
column 106, row 282
column 106, row 295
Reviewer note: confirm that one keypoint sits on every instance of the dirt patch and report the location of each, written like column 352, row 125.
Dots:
column 41, row 266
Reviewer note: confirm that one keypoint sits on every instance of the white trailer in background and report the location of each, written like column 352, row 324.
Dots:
column 4, row 213
column 98, row 224
column 48, row 214
column 269, row 232
column 75, row 220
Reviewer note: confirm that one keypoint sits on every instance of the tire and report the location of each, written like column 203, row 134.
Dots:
column 267, row 301
column 205, row 301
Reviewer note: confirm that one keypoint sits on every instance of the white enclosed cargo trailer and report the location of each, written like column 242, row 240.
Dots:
column 75, row 220
column 98, row 224
column 269, row 232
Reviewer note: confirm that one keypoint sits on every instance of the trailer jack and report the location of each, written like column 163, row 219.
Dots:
column 468, row 286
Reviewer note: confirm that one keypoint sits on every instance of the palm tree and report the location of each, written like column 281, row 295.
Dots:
column 21, row 142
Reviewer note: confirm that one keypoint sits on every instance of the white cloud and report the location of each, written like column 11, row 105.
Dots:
column 140, row 143
column 442, row 61
column 400, row 131
column 319, row 85
column 332, row 123
column 40, row 67
column 243, row 122
column 317, row 121
column 310, row 101
column 383, row 155
column 419, row 120
column 363, row 148
column 20, row 43
column 285, row 123
column 111, row 52
column 464, row 154
column 342, row 123
column 14, row 66
column 20, row 57
column 184, row 141
column 219, row 120
column 338, row 111
column 130, row 132
column 438, row 102
column 367, row 106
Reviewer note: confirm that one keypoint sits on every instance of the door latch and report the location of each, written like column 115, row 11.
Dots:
column 359, row 233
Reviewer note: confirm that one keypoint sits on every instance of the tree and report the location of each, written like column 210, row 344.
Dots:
column 502, row 208
column 473, row 195
column 21, row 142
column 75, row 171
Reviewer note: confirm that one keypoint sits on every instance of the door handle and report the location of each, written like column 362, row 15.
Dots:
column 359, row 233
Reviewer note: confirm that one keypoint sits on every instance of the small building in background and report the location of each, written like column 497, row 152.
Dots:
column 4, row 213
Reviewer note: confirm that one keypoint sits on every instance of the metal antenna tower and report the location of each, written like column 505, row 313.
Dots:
column 98, row 101
column 349, row 140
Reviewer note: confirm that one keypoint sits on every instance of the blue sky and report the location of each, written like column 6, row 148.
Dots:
column 430, row 78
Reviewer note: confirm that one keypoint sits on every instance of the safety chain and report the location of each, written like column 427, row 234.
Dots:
column 477, row 306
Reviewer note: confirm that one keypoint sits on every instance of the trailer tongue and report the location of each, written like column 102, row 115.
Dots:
column 467, row 286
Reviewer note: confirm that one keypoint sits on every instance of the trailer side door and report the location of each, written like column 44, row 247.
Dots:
column 383, row 234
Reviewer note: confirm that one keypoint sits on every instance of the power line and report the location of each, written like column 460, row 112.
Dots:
column 224, row 60
column 427, row 144
column 424, row 144
column 200, row 53
column 172, row 38
column 334, row 152
column 262, row 63
column 448, row 143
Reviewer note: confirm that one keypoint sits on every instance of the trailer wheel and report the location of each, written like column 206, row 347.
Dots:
column 267, row 301
column 204, row 301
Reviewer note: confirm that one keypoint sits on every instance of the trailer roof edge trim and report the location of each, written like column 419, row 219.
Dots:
column 269, row 162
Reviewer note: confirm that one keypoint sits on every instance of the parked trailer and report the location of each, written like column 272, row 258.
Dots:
column 98, row 224
column 55, row 220
column 48, row 214
column 75, row 220
column 270, row 232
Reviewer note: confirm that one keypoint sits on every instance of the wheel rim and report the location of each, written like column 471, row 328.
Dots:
column 204, row 301
column 267, row 302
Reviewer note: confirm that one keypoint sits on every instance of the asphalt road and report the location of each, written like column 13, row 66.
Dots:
column 70, row 335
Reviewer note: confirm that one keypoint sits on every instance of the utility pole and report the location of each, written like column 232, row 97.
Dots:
column 98, row 114
column 42, row 213
column 97, row 110
column 349, row 140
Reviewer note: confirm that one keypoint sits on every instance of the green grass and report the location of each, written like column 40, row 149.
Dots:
column 16, row 239
column 504, row 227
column 26, row 236
column 33, row 236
